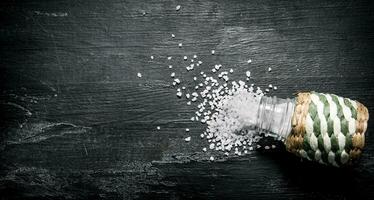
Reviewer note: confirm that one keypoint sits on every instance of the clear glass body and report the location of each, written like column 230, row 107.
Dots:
column 274, row 116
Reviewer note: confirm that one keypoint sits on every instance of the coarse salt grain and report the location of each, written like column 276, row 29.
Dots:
column 187, row 139
column 158, row 128
column 139, row 75
column 180, row 44
column 213, row 52
column 178, row 7
column 179, row 94
column 269, row 69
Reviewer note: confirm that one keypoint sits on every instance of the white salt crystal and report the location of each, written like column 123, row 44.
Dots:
column 185, row 57
column 172, row 74
column 187, row 139
column 201, row 135
column 270, row 86
column 213, row 52
column 177, row 80
column 275, row 87
column 170, row 66
column 189, row 103
column 179, row 94
column 194, row 78
column 158, row 128
column 211, row 158
column 139, row 75
column 269, row 69
column 211, row 146
column 194, row 56
column 187, row 130
column 152, row 57
column 231, row 70
column 180, row 44
column 248, row 73
column 172, row 35
column 249, row 61
column 204, row 149
column 169, row 58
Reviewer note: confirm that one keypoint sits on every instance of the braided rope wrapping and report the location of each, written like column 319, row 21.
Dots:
column 327, row 128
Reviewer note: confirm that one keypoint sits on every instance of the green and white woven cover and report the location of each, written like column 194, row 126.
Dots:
column 327, row 128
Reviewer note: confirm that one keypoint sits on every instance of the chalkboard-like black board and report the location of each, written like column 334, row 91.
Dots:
column 77, row 122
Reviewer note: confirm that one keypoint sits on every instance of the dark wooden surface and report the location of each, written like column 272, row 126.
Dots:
column 77, row 123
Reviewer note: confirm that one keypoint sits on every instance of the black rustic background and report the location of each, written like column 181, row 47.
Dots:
column 77, row 122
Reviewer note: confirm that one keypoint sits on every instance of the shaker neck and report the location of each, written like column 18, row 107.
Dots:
column 274, row 116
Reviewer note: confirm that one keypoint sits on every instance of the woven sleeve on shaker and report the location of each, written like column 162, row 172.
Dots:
column 327, row 128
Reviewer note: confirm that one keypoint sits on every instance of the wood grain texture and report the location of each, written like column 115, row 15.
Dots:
column 77, row 123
